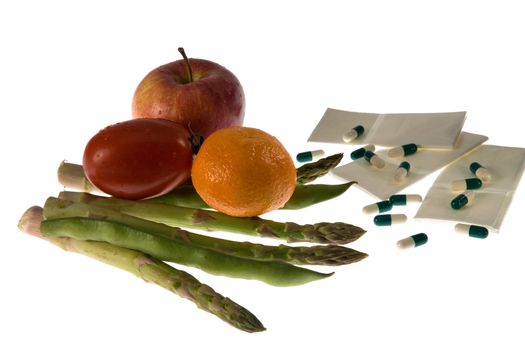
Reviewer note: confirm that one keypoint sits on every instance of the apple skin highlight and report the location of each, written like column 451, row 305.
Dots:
column 212, row 101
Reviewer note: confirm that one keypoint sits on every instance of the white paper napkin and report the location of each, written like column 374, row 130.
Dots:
column 430, row 130
column 491, row 201
column 380, row 182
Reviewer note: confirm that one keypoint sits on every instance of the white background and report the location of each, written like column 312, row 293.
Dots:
column 67, row 70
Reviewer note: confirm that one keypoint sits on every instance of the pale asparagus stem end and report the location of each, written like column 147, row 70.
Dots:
column 72, row 176
column 30, row 221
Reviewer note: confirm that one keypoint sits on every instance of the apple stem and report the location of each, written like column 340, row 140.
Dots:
column 190, row 73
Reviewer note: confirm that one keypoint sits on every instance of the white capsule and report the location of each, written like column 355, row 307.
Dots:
column 403, row 199
column 400, row 175
column 389, row 219
column 353, row 133
column 480, row 171
column 371, row 148
column 379, row 207
column 483, row 174
column 413, row 241
column 396, row 152
column 406, row 243
column 467, row 184
column 377, row 162
column 374, row 160
column 402, row 151
column 462, row 228
column 350, row 136
column 309, row 156
column 398, row 219
column 413, row 198
column 402, row 171
column 472, row 230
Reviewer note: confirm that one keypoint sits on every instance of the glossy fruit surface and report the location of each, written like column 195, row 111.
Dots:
column 211, row 100
column 139, row 158
column 243, row 172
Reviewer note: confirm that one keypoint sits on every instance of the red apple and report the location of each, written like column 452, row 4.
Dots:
column 197, row 93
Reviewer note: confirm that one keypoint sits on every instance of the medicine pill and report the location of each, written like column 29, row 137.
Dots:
column 480, row 171
column 309, row 156
column 404, row 150
column 353, row 134
column 461, row 200
column 360, row 152
column 373, row 159
column 472, row 230
column 467, row 184
column 403, row 199
column 379, row 207
column 413, row 241
column 402, row 172
column 389, row 219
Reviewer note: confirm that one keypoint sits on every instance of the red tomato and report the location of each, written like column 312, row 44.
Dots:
column 139, row 158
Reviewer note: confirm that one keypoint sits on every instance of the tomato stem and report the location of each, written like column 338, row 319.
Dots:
column 188, row 66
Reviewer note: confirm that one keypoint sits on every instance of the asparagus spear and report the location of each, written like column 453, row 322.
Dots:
column 311, row 171
column 334, row 233
column 151, row 270
column 307, row 195
column 72, row 176
column 303, row 196
column 94, row 206
column 184, row 195
column 85, row 222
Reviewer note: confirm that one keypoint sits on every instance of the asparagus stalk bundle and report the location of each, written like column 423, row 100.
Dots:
column 84, row 222
column 86, row 205
column 151, row 270
column 72, row 176
column 138, row 236
column 333, row 233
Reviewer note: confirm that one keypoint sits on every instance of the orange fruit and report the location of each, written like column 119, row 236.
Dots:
column 243, row 171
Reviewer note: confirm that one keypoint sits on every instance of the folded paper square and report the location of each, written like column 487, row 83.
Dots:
column 430, row 130
column 381, row 183
column 491, row 201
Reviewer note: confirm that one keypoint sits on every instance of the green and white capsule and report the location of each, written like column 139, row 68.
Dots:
column 360, row 152
column 374, row 160
column 402, row 172
column 402, row 151
column 404, row 199
column 472, row 230
column 413, row 241
column 389, row 219
column 462, row 200
column 353, row 134
column 480, row 171
column 379, row 207
column 467, row 184
column 309, row 156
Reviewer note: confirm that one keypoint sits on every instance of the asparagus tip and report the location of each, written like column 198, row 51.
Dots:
column 330, row 255
column 242, row 318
